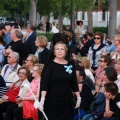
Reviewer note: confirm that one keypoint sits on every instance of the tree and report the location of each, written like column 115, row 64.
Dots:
column 112, row 18
column 33, row 11
column 89, row 8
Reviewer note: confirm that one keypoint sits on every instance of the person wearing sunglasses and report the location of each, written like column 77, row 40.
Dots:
column 96, row 50
column 9, row 71
column 105, row 61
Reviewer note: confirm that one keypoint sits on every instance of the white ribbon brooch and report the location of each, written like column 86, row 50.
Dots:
column 68, row 68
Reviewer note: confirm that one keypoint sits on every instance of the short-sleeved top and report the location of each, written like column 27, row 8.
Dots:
column 114, row 108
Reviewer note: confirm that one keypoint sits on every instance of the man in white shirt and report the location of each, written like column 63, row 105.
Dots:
column 9, row 71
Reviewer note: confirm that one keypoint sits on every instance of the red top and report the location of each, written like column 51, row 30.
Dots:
column 12, row 93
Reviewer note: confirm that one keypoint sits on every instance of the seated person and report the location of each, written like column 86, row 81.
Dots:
column 28, row 100
column 3, row 87
column 97, row 108
column 9, row 97
column 88, row 81
column 85, row 93
column 30, row 62
column 86, row 63
column 24, row 72
column 9, row 71
column 2, row 82
column 112, row 111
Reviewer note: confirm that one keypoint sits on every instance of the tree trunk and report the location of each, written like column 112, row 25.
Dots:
column 25, row 20
column 112, row 18
column 90, row 21
column 32, row 11
column 44, row 20
column 73, row 21
column 60, row 21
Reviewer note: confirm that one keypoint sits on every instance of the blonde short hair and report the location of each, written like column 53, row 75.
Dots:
column 86, row 62
column 39, row 67
column 118, row 37
column 65, row 46
column 69, row 34
column 42, row 40
column 34, row 59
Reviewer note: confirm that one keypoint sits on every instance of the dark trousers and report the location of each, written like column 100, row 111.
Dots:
column 18, row 113
column 9, row 114
column 3, row 108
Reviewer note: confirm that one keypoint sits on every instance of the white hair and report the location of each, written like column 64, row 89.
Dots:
column 16, row 55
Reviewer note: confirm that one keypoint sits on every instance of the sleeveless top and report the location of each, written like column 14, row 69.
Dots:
column 33, row 86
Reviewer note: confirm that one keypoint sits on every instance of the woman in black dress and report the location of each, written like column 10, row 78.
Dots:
column 58, row 85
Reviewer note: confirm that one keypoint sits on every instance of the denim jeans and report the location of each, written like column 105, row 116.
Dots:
column 88, row 117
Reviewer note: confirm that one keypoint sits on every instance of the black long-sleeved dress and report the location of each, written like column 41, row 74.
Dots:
column 59, row 85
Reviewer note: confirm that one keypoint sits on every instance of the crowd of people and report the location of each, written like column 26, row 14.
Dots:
column 78, row 77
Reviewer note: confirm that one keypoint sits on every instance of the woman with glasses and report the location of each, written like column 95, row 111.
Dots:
column 105, row 61
column 116, row 53
column 27, row 107
column 16, row 90
column 96, row 50
column 30, row 62
column 58, row 84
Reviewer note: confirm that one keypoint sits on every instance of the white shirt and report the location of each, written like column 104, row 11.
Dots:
column 38, row 51
column 89, row 74
column 54, row 29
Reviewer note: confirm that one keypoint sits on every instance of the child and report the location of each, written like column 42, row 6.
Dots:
column 112, row 111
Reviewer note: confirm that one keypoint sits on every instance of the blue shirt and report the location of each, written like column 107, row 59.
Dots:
column 7, row 38
column 110, row 48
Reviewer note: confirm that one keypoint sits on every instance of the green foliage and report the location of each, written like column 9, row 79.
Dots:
column 85, row 5
column 100, row 29
column 45, row 7
column 14, row 6
column 48, row 35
